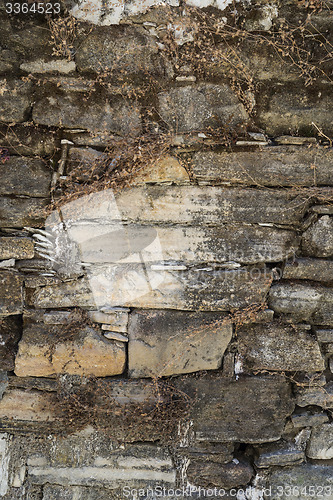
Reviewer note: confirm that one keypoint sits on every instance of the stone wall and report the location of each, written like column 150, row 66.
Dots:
column 166, row 251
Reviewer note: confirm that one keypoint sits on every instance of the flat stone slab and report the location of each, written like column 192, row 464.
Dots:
column 21, row 212
column 320, row 446
column 304, row 481
column 10, row 334
column 280, row 453
column 72, row 111
column 11, row 293
column 279, row 347
column 308, row 419
column 212, row 290
column 212, row 205
column 172, row 342
column 32, row 406
column 25, row 176
column 103, row 243
column 275, row 166
column 15, row 100
column 309, row 269
column 196, row 107
column 212, row 474
column 248, row 410
column 85, row 353
column 303, row 302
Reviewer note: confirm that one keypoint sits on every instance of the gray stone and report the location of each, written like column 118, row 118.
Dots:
column 53, row 66
column 291, row 483
column 320, row 446
column 56, row 492
column 280, row 453
column 11, row 294
column 279, row 348
column 165, row 343
column 294, row 111
column 21, row 212
column 303, row 302
column 204, row 451
column 115, row 320
column 309, row 269
column 248, row 410
column 211, row 205
column 212, row 474
column 274, row 166
column 197, row 107
column 15, row 100
column 83, row 161
column 28, row 141
column 296, row 140
column 308, row 419
column 122, row 52
column 73, row 111
column 317, row 241
column 318, row 396
column 16, row 248
column 25, row 176
column 57, row 317
column 226, row 243
column 10, row 334
column 322, row 209
column 324, row 336
column 3, row 382
column 212, row 290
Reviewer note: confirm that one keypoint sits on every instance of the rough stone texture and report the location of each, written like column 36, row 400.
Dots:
column 73, row 111
column 42, row 66
column 273, row 166
column 214, row 204
column 211, row 474
column 309, row 269
column 28, row 141
column 226, row 243
column 11, row 298
column 33, row 406
column 303, row 302
column 216, row 290
column 282, row 481
column 317, row 241
column 25, row 176
column 116, row 320
column 308, row 419
column 16, row 248
column 324, row 335
column 260, row 405
column 170, row 342
column 279, row 347
column 320, row 446
column 41, row 354
column 21, row 212
column 121, row 52
column 15, row 100
column 10, row 334
column 280, row 453
column 198, row 107
column 318, row 396
column 291, row 110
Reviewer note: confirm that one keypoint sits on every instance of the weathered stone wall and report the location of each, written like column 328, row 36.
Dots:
column 203, row 361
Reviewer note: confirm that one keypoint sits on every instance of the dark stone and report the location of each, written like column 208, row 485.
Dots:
column 25, row 176
column 211, row 474
column 15, row 100
column 121, row 52
column 11, row 294
column 309, row 269
column 10, row 334
column 21, row 212
column 28, row 141
column 250, row 409
column 273, row 166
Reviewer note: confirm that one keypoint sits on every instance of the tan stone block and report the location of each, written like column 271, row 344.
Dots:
column 167, row 169
column 16, row 248
column 23, row 405
column 40, row 354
